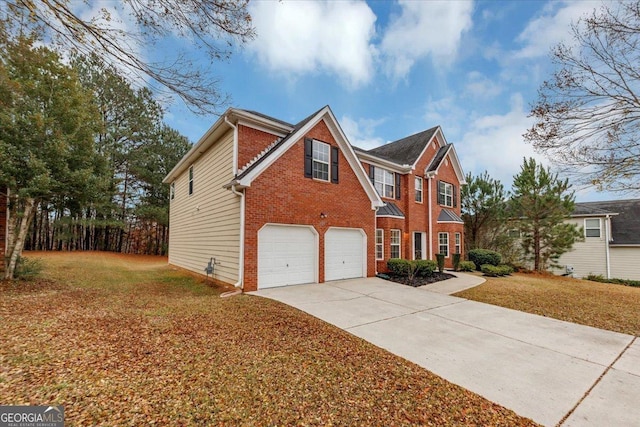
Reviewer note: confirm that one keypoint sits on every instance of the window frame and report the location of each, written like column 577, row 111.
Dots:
column 458, row 243
column 441, row 245
column 315, row 160
column 442, row 193
column 383, row 182
column 379, row 244
column 418, row 179
column 191, row 180
column 599, row 228
column 172, row 190
column 397, row 245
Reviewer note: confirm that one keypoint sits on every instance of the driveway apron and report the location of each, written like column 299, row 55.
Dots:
column 545, row 369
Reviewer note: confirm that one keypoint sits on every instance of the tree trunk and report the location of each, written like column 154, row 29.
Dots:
column 16, row 241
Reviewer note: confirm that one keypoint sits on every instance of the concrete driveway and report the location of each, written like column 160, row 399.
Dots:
column 548, row 370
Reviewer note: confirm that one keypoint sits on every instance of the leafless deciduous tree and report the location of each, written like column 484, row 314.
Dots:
column 588, row 113
column 124, row 34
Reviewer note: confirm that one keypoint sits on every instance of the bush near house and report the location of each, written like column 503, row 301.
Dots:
column 496, row 270
column 481, row 257
column 600, row 278
column 456, row 262
column 440, row 259
column 467, row 266
column 406, row 268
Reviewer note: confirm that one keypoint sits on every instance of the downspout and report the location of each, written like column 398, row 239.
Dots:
column 235, row 147
column 375, row 238
column 430, row 177
column 606, row 243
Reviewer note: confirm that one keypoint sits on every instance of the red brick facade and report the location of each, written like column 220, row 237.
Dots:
column 417, row 214
column 251, row 143
column 283, row 195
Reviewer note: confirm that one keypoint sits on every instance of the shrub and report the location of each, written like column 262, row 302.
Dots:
column 467, row 266
column 440, row 260
column 425, row 267
column 496, row 270
column 28, row 268
column 481, row 257
column 398, row 266
column 456, row 262
column 600, row 278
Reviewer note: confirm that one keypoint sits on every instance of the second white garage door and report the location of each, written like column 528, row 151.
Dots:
column 287, row 255
column 345, row 253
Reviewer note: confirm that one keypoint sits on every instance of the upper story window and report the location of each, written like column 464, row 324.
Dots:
column 321, row 160
column 384, row 182
column 418, row 189
column 592, row 227
column 172, row 191
column 190, row 180
column 446, row 194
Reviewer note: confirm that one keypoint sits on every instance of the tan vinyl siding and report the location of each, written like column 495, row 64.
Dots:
column 624, row 262
column 588, row 256
column 206, row 223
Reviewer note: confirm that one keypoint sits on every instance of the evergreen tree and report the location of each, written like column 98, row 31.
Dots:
column 540, row 203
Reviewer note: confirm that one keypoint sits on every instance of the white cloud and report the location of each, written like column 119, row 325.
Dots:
column 425, row 28
column 494, row 143
column 307, row 36
column 361, row 132
column 552, row 27
column 479, row 86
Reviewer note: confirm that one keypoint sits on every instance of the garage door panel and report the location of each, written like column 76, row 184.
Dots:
column 345, row 253
column 286, row 256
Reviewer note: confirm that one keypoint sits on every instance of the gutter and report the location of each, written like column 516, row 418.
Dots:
column 235, row 145
column 430, row 178
column 239, row 285
column 606, row 241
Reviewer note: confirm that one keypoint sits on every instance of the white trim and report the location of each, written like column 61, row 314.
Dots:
column 441, row 143
column 606, row 243
column 364, row 249
column 446, row 233
column 385, row 172
column 314, row 160
column 240, row 282
column 429, row 181
column 453, row 189
column 423, row 242
column 455, row 161
column 265, row 129
column 383, row 163
column 391, row 244
column 415, row 180
column 381, row 243
column 235, row 144
column 599, row 236
column 190, row 181
column 457, row 242
column 390, row 216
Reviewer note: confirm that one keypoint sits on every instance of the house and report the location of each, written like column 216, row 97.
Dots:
column 611, row 245
column 258, row 202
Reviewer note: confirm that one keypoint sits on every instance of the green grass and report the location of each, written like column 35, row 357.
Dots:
column 125, row 340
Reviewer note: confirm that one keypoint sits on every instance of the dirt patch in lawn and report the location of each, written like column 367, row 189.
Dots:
column 601, row 305
column 122, row 341
column 418, row 281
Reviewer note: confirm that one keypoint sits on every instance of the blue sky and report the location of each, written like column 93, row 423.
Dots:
column 389, row 69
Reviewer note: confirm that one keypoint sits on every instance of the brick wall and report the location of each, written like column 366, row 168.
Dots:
column 282, row 194
column 251, row 142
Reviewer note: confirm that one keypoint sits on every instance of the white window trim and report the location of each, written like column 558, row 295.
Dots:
column 385, row 174
column 423, row 242
column 399, row 244
column 599, row 236
column 315, row 160
column 446, row 186
column 458, row 243
column 172, row 191
column 440, row 244
column 421, row 190
column 190, row 184
column 380, row 233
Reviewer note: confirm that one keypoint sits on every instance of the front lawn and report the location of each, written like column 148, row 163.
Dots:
column 126, row 340
column 601, row 305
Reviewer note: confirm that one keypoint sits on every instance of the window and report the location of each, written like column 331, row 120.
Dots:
column 445, row 194
column 418, row 189
column 458, row 244
column 172, row 191
column 384, row 182
column 321, row 160
column 190, row 180
column 395, row 244
column 379, row 243
column 443, row 243
column 592, row 227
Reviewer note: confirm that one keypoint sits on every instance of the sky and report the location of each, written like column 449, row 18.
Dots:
column 389, row 69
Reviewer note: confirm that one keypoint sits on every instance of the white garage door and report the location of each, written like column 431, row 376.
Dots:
column 344, row 254
column 286, row 256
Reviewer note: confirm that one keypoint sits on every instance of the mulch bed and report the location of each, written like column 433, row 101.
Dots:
column 418, row 281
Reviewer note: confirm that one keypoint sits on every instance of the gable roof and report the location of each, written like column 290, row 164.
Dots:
column 438, row 158
column 405, row 151
column 299, row 131
column 625, row 221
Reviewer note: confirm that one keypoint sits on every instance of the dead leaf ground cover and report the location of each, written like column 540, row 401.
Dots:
column 125, row 340
column 601, row 305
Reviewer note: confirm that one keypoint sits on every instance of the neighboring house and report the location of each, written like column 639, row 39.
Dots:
column 611, row 245
column 4, row 219
column 273, row 204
